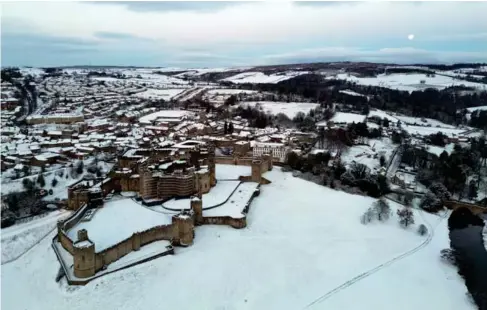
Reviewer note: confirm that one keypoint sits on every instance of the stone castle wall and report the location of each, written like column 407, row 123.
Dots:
column 180, row 232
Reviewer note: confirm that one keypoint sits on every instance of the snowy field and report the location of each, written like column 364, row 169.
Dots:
column 347, row 118
column 231, row 172
column 408, row 82
column 18, row 239
column 217, row 195
column 259, row 77
column 302, row 241
column 288, row 108
column 117, row 221
column 437, row 150
column 166, row 94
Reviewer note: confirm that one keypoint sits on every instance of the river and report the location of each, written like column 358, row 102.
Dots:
column 467, row 240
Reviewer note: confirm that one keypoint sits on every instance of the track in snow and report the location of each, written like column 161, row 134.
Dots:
column 381, row 266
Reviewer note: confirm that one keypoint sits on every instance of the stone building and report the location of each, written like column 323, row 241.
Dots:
column 278, row 151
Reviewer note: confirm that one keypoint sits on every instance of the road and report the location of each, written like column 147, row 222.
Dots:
column 395, row 162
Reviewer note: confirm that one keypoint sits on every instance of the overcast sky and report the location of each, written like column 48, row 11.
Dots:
column 216, row 34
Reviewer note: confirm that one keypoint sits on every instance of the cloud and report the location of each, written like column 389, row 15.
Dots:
column 114, row 35
column 171, row 6
column 323, row 3
column 228, row 32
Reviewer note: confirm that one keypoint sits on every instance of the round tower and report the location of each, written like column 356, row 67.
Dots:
column 197, row 207
column 183, row 229
column 84, row 256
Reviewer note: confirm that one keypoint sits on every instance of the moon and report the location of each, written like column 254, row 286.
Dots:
column 411, row 37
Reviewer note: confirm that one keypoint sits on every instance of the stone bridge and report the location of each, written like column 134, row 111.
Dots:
column 476, row 209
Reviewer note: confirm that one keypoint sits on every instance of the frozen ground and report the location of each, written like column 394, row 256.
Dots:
column 288, row 108
column 117, row 221
column 302, row 241
column 18, row 239
column 408, row 82
column 217, row 195
column 231, row 172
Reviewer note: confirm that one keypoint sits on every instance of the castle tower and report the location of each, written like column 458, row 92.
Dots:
column 268, row 158
column 84, row 256
column 60, row 225
column 197, row 207
column 183, row 229
column 256, row 170
column 211, row 163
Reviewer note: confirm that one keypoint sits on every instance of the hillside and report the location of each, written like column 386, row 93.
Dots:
column 295, row 250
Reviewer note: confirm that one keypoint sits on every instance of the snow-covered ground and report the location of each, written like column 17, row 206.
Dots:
column 471, row 110
column 166, row 94
column 369, row 155
column 229, row 91
column 231, row 172
column 425, row 131
column 481, row 108
column 60, row 189
column 346, row 118
column 217, row 195
column 18, row 239
column 117, row 221
column 302, row 241
column 236, row 204
column 288, row 108
column 408, row 82
column 437, row 150
column 259, row 77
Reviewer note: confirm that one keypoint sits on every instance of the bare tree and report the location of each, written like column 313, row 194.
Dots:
column 448, row 256
column 406, row 216
column 382, row 209
column 368, row 216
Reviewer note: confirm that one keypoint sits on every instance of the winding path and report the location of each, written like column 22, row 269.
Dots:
column 381, row 266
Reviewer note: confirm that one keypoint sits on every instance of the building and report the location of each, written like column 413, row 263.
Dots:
column 66, row 118
column 278, row 151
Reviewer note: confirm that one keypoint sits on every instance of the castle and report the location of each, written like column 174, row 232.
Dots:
column 155, row 175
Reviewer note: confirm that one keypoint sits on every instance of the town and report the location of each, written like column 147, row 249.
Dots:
column 117, row 167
